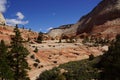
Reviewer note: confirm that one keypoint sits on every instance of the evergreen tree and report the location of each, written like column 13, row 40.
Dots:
column 40, row 37
column 5, row 70
column 110, row 62
column 91, row 57
column 18, row 56
column 36, row 50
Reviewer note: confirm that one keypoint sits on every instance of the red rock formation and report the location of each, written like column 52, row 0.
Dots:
column 104, row 19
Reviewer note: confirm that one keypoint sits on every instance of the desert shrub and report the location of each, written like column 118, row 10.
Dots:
column 53, row 45
column 36, row 50
column 55, row 62
column 85, row 40
column 41, row 66
column 37, row 60
column 35, row 64
column 32, row 56
column 91, row 57
column 49, row 45
column 60, row 40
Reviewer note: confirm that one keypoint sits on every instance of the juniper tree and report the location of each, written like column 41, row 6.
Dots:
column 40, row 37
column 5, row 70
column 18, row 56
column 36, row 50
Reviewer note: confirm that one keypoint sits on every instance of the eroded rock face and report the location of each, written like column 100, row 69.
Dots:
column 105, row 15
column 104, row 19
column 56, row 33
column 2, row 19
column 6, row 33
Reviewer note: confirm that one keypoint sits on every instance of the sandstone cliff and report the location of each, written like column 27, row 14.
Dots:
column 107, row 14
column 57, row 32
column 104, row 19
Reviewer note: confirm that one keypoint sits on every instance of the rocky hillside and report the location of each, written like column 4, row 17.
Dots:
column 50, row 53
column 104, row 19
column 6, row 32
column 56, row 33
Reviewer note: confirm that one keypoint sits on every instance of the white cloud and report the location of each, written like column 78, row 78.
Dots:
column 16, row 21
column 2, row 5
column 49, row 28
column 20, row 15
column 19, row 20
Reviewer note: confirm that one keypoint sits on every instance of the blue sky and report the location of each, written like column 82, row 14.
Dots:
column 44, row 14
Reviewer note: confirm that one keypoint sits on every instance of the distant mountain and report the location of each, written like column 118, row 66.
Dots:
column 56, row 33
column 103, row 19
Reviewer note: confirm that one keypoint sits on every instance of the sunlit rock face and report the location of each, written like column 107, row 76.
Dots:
column 2, row 19
column 56, row 33
column 105, row 15
column 103, row 19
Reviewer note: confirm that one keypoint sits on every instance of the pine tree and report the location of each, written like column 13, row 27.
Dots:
column 110, row 62
column 18, row 56
column 5, row 70
column 36, row 50
column 91, row 57
column 40, row 37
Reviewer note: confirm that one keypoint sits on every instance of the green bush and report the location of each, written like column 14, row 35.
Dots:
column 32, row 56
column 37, row 60
column 35, row 64
column 91, row 57
column 49, row 75
column 36, row 50
column 77, row 70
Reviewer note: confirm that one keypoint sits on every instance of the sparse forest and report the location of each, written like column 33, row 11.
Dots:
column 13, row 63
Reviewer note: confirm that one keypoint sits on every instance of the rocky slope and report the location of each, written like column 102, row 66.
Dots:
column 56, row 33
column 6, row 32
column 104, row 19
column 50, row 53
